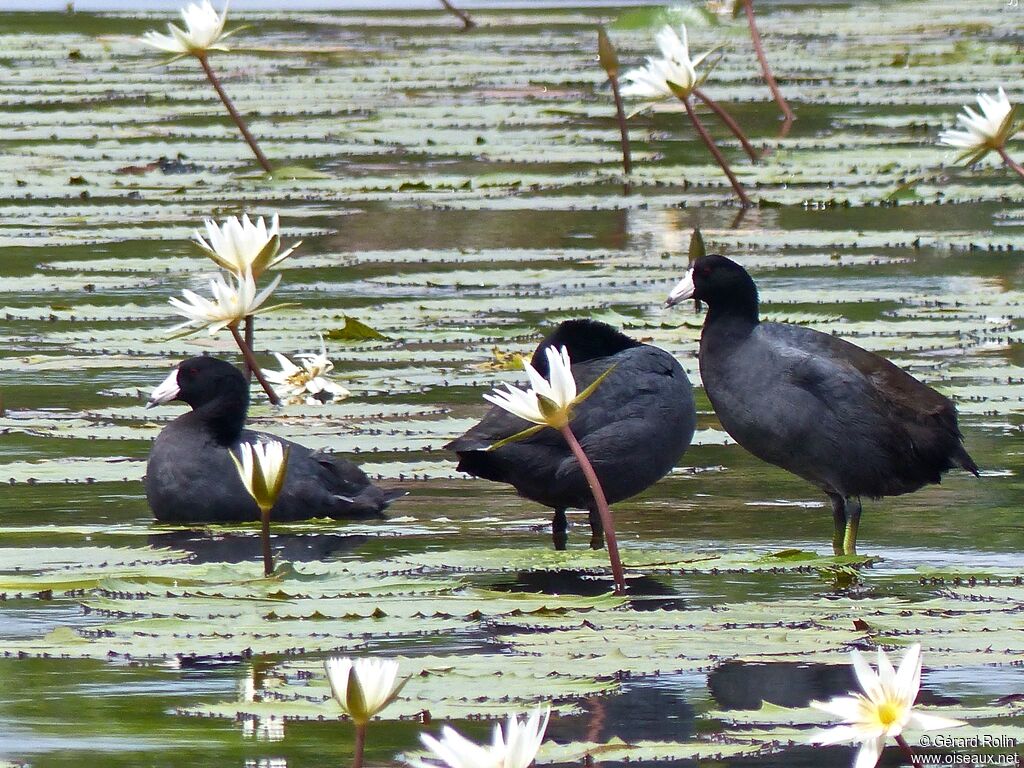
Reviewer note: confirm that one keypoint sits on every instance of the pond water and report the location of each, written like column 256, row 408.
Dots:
column 468, row 196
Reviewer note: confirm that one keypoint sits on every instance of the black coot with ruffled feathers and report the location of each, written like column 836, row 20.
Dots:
column 634, row 427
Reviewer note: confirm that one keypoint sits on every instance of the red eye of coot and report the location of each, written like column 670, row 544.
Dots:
column 194, row 371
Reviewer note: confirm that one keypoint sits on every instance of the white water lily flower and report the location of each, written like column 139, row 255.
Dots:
column 309, row 383
column 262, row 469
column 363, row 687
column 985, row 132
column 516, row 748
column 240, row 245
column 548, row 400
column 674, row 74
column 883, row 710
column 230, row 304
column 204, row 30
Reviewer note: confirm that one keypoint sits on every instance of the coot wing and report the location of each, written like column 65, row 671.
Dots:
column 913, row 424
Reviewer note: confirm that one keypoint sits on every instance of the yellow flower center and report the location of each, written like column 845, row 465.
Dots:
column 888, row 713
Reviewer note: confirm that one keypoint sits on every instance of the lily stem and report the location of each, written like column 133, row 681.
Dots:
column 709, row 142
column 357, row 758
column 620, row 115
column 908, row 751
column 766, row 70
column 268, row 555
column 602, row 508
column 250, row 333
column 730, row 122
column 215, row 82
column 250, row 360
column 467, row 22
column 1014, row 165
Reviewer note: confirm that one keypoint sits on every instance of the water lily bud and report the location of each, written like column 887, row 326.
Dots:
column 606, row 53
column 263, row 468
column 363, row 687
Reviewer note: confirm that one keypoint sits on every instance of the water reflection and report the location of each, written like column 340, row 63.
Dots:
column 644, row 592
column 741, row 685
column 251, row 690
column 640, row 713
column 745, row 685
column 213, row 547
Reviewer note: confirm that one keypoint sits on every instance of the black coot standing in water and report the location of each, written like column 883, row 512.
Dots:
column 190, row 477
column 842, row 418
column 634, row 427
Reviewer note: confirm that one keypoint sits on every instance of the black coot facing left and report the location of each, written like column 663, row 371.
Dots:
column 842, row 418
column 190, row 477
column 634, row 427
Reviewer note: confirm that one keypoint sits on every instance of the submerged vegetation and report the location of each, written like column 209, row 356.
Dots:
column 458, row 193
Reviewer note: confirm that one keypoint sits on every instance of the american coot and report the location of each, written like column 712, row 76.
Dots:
column 633, row 427
column 828, row 411
column 190, row 477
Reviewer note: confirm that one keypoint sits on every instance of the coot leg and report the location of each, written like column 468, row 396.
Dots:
column 596, row 530
column 853, row 510
column 838, row 521
column 559, row 529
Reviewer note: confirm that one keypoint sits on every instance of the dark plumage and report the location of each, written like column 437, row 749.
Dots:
column 634, row 427
column 842, row 418
column 191, row 478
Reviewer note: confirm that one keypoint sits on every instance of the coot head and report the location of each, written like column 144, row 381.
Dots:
column 720, row 283
column 202, row 380
column 585, row 340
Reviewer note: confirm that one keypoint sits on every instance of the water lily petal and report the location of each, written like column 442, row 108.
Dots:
column 870, row 751
column 928, row 722
column 867, row 677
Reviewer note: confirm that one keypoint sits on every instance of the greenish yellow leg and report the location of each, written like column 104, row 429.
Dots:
column 839, row 521
column 853, row 510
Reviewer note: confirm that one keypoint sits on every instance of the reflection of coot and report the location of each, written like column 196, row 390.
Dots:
column 239, row 548
column 645, row 593
column 740, row 685
column 640, row 713
column 744, row 685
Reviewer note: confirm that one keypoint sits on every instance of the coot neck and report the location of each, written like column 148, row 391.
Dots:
column 739, row 310
column 224, row 417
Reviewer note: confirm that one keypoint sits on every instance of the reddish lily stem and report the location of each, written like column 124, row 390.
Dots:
column 215, row 82
column 730, row 122
column 467, row 22
column 766, row 70
column 357, row 759
column 250, row 360
column 784, row 130
column 620, row 115
column 602, row 508
column 250, row 333
column 709, row 142
column 908, row 751
column 1014, row 165
column 268, row 555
